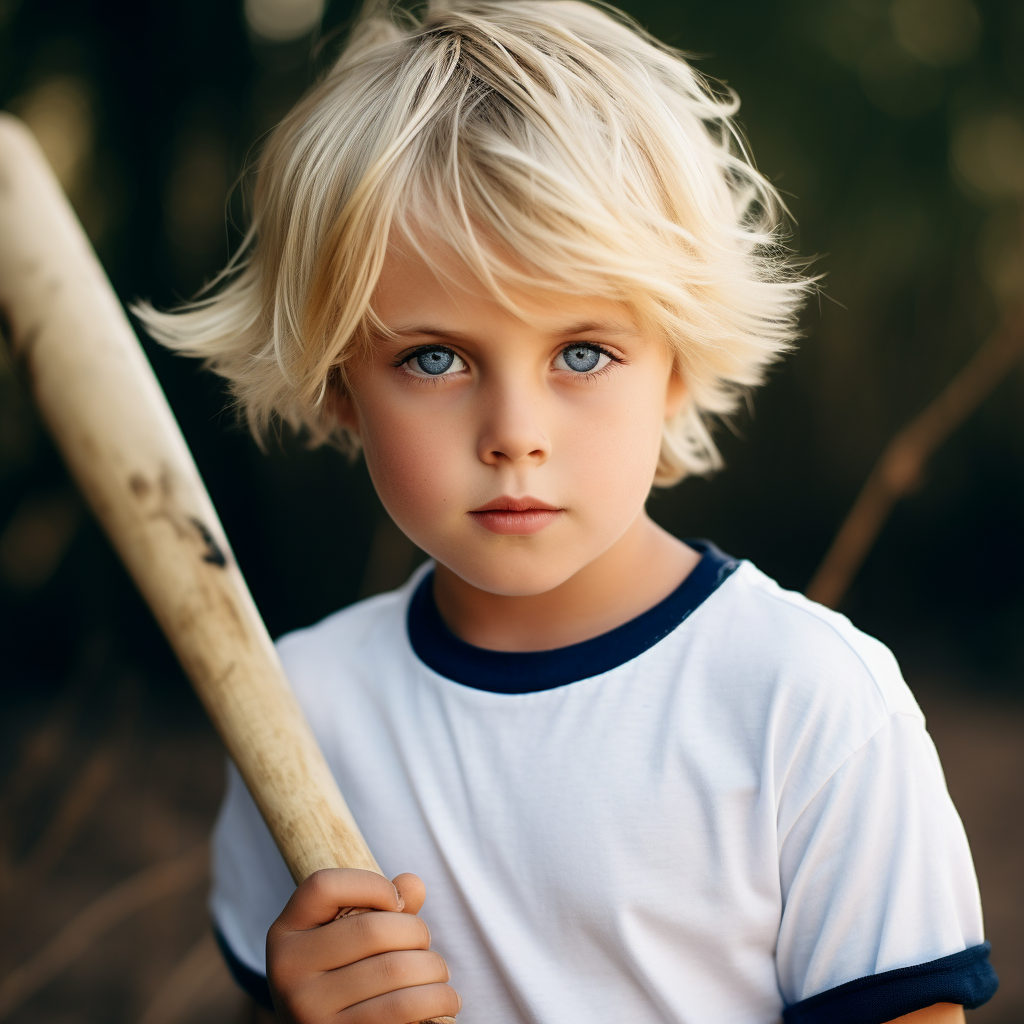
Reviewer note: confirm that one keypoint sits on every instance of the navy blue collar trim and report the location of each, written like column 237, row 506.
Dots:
column 531, row 671
column 965, row 978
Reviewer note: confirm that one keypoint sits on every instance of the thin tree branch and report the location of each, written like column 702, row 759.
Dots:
column 198, row 979
column 77, row 804
column 901, row 466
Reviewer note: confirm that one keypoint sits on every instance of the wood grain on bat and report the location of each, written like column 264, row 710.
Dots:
column 106, row 411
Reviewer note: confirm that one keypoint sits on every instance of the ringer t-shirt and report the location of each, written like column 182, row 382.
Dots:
column 727, row 810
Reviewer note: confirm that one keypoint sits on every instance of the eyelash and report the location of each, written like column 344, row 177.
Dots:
column 613, row 360
column 402, row 360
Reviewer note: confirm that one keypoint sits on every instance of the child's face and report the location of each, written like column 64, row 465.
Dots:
column 515, row 452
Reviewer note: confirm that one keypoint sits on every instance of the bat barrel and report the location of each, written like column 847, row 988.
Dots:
column 101, row 401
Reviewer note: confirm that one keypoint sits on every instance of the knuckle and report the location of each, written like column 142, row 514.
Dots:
column 441, row 966
column 319, row 886
column 445, row 1001
column 421, row 1003
column 422, row 933
column 395, row 969
column 452, row 1001
column 311, row 893
column 382, row 932
column 373, row 929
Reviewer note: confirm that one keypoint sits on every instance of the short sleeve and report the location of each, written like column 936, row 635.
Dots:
column 251, row 883
column 880, row 900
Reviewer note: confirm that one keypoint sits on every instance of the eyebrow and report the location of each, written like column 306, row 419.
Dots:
column 598, row 326
column 582, row 327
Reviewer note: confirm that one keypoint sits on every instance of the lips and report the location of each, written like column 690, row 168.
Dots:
column 505, row 504
column 519, row 516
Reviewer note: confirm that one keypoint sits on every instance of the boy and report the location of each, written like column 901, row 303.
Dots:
column 514, row 250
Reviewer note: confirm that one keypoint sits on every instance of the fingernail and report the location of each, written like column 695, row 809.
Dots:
column 401, row 900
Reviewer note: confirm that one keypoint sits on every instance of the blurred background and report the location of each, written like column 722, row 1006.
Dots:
column 895, row 128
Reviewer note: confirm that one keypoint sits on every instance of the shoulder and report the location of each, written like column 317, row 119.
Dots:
column 351, row 625
column 338, row 646
column 802, row 678
column 798, row 639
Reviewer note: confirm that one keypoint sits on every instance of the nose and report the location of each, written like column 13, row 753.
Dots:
column 513, row 430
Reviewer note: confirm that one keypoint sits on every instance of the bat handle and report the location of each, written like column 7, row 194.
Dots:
column 351, row 912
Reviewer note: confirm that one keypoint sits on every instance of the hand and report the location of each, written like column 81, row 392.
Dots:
column 373, row 968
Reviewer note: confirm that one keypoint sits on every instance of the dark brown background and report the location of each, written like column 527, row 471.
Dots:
column 896, row 129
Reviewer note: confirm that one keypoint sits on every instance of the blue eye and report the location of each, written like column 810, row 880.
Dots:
column 433, row 362
column 436, row 361
column 581, row 359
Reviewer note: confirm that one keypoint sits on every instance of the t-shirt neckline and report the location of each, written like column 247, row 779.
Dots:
column 517, row 672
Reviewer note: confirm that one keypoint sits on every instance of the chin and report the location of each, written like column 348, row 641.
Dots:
column 512, row 577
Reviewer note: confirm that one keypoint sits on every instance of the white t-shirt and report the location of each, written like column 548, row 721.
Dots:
column 713, row 814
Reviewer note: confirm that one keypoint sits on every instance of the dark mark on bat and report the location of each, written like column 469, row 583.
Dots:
column 139, row 485
column 213, row 553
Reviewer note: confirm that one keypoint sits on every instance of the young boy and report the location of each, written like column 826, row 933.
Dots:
column 516, row 252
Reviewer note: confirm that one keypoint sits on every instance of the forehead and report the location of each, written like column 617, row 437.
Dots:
column 428, row 286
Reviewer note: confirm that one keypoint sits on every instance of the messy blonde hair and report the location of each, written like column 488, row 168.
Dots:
column 548, row 143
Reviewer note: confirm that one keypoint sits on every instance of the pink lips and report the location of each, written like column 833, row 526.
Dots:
column 520, row 516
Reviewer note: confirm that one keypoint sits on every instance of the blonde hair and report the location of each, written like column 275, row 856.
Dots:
column 548, row 143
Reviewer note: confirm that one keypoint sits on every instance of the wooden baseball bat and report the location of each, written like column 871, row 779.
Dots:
column 103, row 404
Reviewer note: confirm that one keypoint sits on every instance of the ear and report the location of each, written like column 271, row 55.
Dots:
column 675, row 394
column 344, row 409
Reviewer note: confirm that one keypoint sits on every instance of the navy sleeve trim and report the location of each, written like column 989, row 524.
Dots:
column 966, row 978
column 248, row 980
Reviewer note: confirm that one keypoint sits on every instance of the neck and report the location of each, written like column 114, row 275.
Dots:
column 640, row 569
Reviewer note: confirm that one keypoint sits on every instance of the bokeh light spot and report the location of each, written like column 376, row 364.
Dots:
column 988, row 155
column 897, row 83
column 283, row 20
column 942, row 33
column 59, row 113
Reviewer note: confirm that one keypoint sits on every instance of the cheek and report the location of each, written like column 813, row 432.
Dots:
column 605, row 443
column 411, row 461
column 610, row 442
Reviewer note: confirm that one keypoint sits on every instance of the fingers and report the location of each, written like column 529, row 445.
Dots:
column 324, row 893
column 345, row 941
column 412, row 890
column 360, row 991
column 404, row 1006
column 378, row 975
column 374, row 967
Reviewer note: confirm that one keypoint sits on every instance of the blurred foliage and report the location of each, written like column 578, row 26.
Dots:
column 895, row 129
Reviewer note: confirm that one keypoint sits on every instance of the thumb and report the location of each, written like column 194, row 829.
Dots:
column 411, row 889
column 319, row 898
